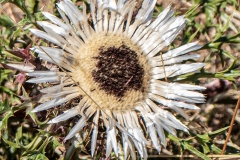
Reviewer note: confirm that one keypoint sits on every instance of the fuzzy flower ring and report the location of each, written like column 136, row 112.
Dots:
column 111, row 63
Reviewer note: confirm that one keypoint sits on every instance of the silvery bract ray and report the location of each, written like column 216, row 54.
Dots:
column 110, row 60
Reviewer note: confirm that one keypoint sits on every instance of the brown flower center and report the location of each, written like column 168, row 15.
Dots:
column 112, row 70
column 118, row 70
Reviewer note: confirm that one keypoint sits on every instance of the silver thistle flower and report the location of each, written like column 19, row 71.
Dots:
column 114, row 64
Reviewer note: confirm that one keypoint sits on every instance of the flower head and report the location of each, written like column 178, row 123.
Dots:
column 111, row 63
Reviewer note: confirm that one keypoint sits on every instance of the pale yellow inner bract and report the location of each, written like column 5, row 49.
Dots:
column 85, row 63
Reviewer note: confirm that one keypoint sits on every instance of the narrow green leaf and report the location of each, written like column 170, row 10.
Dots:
column 231, row 66
column 6, row 21
column 222, row 29
column 173, row 138
column 44, row 144
column 35, row 119
column 15, row 145
column 227, row 19
column 41, row 157
column 205, row 138
column 30, row 145
column 4, row 74
column 19, row 135
column 39, row 141
column 193, row 35
column 186, row 146
column 210, row 11
column 17, row 33
column 4, row 123
column 56, row 143
column 221, row 57
column 191, row 10
column 229, row 55
column 217, row 132
column 31, row 5
column 4, row 106
column 6, row 90
column 206, row 148
column 215, row 149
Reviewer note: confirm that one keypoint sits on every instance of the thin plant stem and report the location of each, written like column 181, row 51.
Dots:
column 231, row 125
